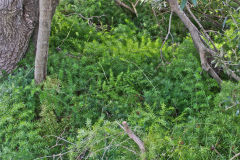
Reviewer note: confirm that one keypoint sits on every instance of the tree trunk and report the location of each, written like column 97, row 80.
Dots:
column 46, row 8
column 17, row 22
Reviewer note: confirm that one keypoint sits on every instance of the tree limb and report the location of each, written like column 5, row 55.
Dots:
column 135, row 138
column 200, row 25
column 134, row 7
column 120, row 3
column 237, row 155
column 202, row 49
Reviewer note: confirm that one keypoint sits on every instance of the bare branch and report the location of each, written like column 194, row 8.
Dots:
column 200, row 25
column 169, row 31
column 60, row 138
column 135, row 138
column 133, row 10
column 134, row 7
column 120, row 3
column 202, row 49
column 237, row 155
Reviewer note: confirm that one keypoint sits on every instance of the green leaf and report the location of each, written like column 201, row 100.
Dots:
column 183, row 4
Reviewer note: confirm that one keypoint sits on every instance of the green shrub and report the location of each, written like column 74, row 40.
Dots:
column 103, row 140
column 19, row 136
column 96, row 78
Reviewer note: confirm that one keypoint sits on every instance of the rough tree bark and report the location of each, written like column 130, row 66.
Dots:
column 46, row 8
column 17, row 22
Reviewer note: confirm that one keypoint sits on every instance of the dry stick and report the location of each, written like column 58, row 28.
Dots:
column 129, row 149
column 106, row 148
column 135, row 138
column 169, row 31
column 237, row 155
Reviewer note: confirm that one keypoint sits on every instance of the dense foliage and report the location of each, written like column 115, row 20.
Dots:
column 104, row 70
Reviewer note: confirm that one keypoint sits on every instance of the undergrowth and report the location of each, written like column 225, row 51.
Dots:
column 96, row 79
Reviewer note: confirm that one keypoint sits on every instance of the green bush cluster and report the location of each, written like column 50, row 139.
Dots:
column 96, row 79
column 105, row 15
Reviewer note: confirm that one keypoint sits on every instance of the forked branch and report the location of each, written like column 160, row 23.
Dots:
column 133, row 9
column 204, row 51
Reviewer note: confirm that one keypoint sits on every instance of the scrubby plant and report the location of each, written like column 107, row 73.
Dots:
column 99, row 77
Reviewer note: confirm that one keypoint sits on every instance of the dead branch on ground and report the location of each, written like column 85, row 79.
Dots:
column 135, row 138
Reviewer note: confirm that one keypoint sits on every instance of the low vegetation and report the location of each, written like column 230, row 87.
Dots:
column 103, row 71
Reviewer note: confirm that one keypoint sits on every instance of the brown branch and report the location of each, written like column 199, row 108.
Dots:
column 120, row 3
column 202, row 49
column 200, row 25
column 232, row 74
column 135, row 138
column 134, row 7
column 237, row 155
column 135, row 10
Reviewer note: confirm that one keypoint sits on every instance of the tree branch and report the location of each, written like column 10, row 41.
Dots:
column 200, row 25
column 120, row 3
column 202, row 49
column 237, row 155
column 169, row 31
column 135, row 138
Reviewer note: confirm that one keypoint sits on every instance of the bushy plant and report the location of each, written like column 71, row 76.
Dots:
column 99, row 77
column 229, row 44
column 19, row 136
column 103, row 140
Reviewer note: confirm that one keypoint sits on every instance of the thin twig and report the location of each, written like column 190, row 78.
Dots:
column 134, row 152
column 58, row 47
column 55, row 155
column 200, row 25
column 124, row 60
column 169, row 31
column 103, row 70
column 61, row 139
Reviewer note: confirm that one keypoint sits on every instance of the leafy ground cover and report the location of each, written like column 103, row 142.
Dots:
column 98, row 78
